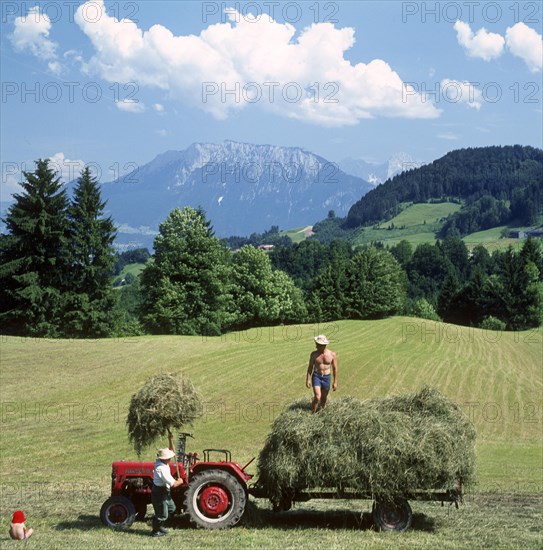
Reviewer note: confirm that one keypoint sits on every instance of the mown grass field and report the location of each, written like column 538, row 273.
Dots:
column 64, row 405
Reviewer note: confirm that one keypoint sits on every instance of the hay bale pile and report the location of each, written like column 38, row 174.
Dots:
column 165, row 402
column 386, row 446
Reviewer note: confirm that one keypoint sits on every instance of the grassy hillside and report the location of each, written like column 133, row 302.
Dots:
column 134, row 269
column 417, row 223
column 64, row 406
column 298, row 234
column 418, row 214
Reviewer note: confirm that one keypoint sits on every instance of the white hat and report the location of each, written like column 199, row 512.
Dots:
column 165, row 454
column 322, row 340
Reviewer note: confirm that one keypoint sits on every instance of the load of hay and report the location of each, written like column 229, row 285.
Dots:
column 164, row 403
column 385, row 446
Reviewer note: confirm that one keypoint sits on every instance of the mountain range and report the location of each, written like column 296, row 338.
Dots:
column 376, row 173
column 242, row 187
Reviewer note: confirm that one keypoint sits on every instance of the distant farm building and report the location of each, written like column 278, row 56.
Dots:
column 535, row 233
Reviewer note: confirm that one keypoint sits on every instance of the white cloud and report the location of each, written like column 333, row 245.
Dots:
column 306, row 78
column 456, row 91
column 483, row 44
column 31, row 33
column 526, row 43
column 130, row 105
column 521, row 40
column 66, row 169
column 158, row 107
column 55, row 67
column 11, row 182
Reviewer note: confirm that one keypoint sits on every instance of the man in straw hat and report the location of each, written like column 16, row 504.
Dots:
column 321, row 361
column 163, row 481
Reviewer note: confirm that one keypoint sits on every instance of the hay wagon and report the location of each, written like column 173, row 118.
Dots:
column 388, row 450
column 388, row 514
column 215, row 493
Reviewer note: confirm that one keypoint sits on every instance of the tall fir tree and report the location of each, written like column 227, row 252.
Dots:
column 90, row 300
column 520, row 292
column 33, row 256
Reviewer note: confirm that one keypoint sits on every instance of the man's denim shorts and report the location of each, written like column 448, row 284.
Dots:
column 321, row 380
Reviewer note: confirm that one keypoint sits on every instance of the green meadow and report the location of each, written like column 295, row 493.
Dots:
column 64, row 406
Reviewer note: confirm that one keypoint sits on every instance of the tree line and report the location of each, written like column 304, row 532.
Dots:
column 57, row 264
column 498, row 184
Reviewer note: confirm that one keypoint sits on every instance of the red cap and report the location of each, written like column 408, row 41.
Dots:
column 18, row 517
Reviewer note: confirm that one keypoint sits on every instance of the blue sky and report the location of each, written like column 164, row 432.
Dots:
column 113, row 84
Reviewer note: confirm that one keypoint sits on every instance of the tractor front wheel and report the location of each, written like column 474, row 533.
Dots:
column 118, row 512
column 392, row 515
column 215, row 499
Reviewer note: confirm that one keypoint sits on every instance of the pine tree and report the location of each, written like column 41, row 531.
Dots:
column 447, row 297
column 33, row 256
column 519, row 291
column 327, row 298
column 91, row 299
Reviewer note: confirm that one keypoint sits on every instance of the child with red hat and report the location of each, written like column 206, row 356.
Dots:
column 17, row 529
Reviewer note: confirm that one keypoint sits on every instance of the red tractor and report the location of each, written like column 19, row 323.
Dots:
column 213, row 493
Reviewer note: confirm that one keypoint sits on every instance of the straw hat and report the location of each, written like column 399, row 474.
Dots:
column 165, row 454
column 322, row 340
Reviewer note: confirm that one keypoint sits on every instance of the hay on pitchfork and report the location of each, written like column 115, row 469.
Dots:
column 384, row 446
column 166, row 402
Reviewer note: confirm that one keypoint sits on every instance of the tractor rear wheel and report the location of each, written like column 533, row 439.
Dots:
column 215, row 499
column 118, row 512
column 392, row 516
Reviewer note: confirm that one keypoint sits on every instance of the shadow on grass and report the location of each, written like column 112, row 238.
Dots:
column 262, row 519
column 255, row 518
column 87, row 522
column 84, row 522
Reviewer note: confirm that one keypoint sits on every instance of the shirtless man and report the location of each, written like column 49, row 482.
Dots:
column 318, row 372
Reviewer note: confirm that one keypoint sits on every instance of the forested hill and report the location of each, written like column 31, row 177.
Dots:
column 507, row 179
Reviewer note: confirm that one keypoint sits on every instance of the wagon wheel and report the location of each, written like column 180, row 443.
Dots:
column 392, row 515
column 118, row 512
column 215, row 499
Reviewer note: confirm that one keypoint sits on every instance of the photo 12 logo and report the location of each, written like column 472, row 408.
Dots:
column 70, row 92
column 252, row 12
column 69, row 170
column 490, row 12
column 54, row 12
column 254, row 92
column 472, row 93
